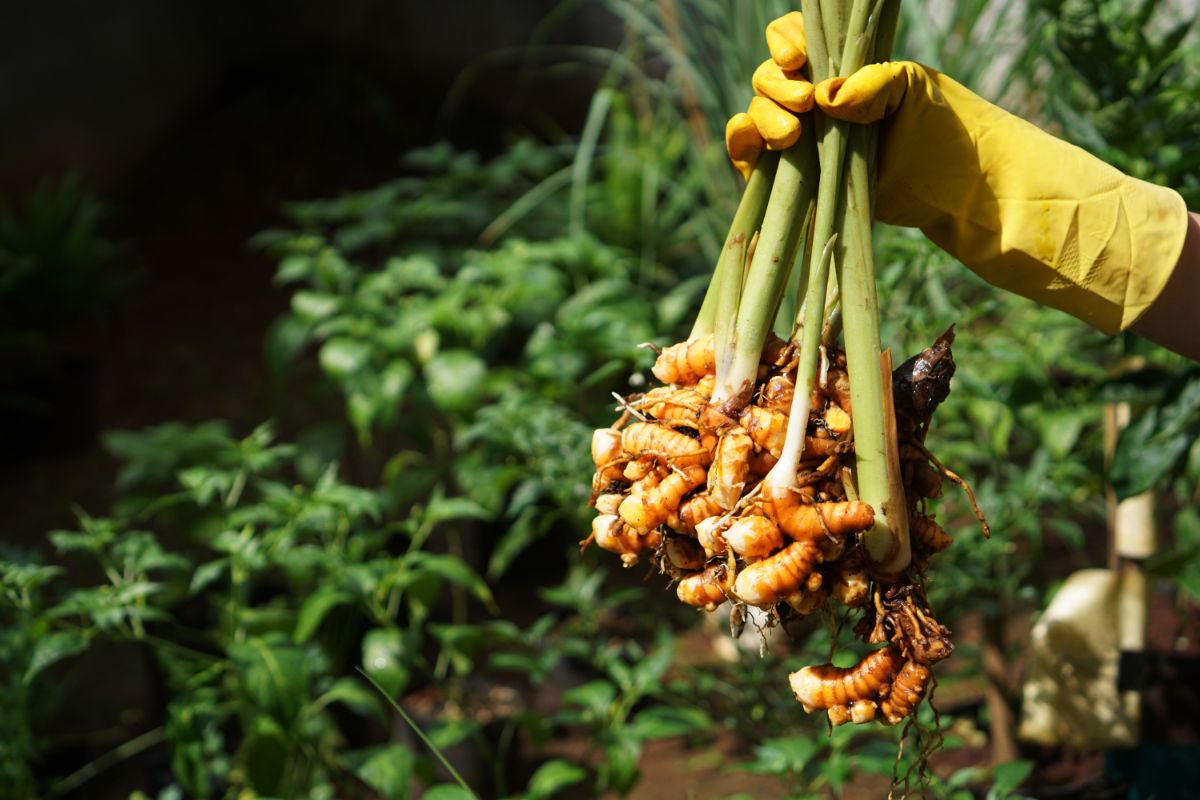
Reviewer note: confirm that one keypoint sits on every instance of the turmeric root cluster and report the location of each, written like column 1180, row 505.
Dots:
column 679, row 481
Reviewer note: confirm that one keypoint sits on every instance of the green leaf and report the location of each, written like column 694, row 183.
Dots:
column 293, row 267
column 675, row 304
column 455, row 380
column 274, row 677
column 447, row 791
column 341, row 357
column 265, row 754
column 315, row 608
column 447, row 733
column 553, row 776
column 1060, row 430
column 442, row 508
column 618, row 769
column 384, row 659
column 596, row 698
column 462, row 644
column 1007, row 777
column 388, row 770
column 664, row 722
column 284, row 341
column 206, row 574
column 394, row 381
column 355, row 695
column 783, row 756
column 52, row 648
column 26, row 576
column 648, row 672
column 454, row 570
column 530, row 525
column 314, row 306
column 362, row 410
column 1155, row 443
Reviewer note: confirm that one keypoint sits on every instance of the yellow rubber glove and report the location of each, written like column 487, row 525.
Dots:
column 1026, row 211
column 781, row 93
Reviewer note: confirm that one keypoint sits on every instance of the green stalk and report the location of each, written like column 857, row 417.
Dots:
column 731, row 269
column 783, row 224
column 848, row 152
column 819, row 65
column 785, row 314
column 832, row 16
column 746, row 221
column 783, row 474
column 887, row 542
column 877, row 467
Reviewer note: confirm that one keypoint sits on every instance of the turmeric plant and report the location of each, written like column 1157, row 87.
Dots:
column 786, row 473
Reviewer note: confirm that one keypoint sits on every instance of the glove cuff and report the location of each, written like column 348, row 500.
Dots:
column 1158, row 231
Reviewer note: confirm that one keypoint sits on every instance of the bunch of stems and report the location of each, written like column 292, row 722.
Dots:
column 787, row 199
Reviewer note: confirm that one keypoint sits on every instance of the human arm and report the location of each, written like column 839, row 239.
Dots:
column 1026, row 211
column 1173, row 319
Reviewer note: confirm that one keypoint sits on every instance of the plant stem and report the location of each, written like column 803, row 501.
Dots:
column 746, row 221
column 731, row 271
column 876, row 464
column 787, row 312
column 786, row 216
column 832, row 15
column 783, row 474
column 879, row 484
column 847, row 153
column 110, row 759
column 412, row 723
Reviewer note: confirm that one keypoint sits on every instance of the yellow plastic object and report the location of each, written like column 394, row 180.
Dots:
column 779, row 127
column 743, row 142
column 787, row 41
column 1026, row 211
column 1071, row 694
column 788, row 89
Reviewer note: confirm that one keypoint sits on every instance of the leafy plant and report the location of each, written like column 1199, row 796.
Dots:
column 1134, row 71
column 254, row 685
column 472, row 359
column 1131, row 70
column 56, row 263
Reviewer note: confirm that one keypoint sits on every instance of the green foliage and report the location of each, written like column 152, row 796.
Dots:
column 1136, row 77
column 817, row 767
column 447, row 198
column 252, row 692
column 263, row 583
column 1162, row 441
column 56, row 265
column 665, row 184
column 262, row 599
column 490, row 366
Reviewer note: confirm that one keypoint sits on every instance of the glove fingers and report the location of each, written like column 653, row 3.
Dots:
column 779, row 127
column 787, row 41
column 793, row 93
column 868, row 95
column 743, row 142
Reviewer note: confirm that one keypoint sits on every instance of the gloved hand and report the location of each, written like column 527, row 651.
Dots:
column 779, row 89
column 1026, row 211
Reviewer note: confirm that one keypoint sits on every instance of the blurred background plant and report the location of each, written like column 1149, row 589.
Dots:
column 396, row 586
column 58, row 267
